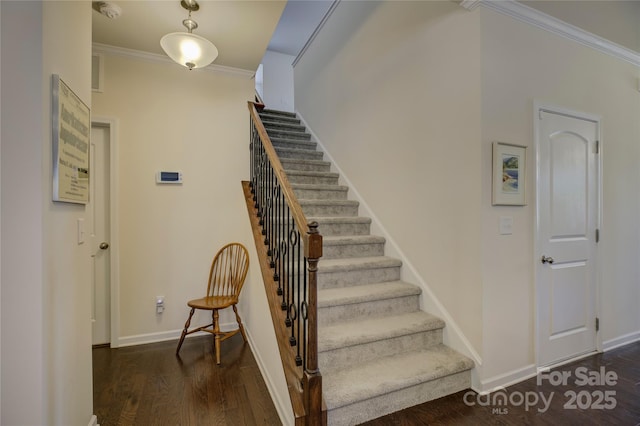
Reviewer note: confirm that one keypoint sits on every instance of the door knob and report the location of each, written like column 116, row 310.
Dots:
column 104, row 245
column 547, row 259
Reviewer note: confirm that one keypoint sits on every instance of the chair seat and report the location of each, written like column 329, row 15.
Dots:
column 213, row 302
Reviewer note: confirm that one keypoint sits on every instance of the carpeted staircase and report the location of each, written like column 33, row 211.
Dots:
column 378, row 352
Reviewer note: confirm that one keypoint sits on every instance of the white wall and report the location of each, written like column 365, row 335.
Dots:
column 46, row 334
column 23, row 361
column 197, row 122
column 520, row 64
column 392, row 90
column 407, row 98
column 277, row 81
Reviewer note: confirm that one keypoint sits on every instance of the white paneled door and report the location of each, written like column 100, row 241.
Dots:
column 567, row 221
column 98, row 211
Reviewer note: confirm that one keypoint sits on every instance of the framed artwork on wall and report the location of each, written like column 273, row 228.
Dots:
column 509, row 174
column 71, row 123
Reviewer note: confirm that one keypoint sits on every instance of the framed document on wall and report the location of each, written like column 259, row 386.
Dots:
column 71, row 131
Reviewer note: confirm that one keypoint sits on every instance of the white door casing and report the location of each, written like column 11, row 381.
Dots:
column 99, row 213
column 567, row 222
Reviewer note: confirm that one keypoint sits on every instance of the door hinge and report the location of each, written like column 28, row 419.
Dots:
column 597, row 235
column 597, row 147
column 597, row 324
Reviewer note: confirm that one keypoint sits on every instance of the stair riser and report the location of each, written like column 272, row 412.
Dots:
column 353, row 355
column 271, row 125
column 285, row 114
column 288, row 135
column 292, row 164
column 321, row 194
column 344, row 229
column 299, row 154
column 279, row 119
column 369, row 409
column 293, row 144
column 314, row 180
column 352, row 250
column 356, row 277
column 329, row 210
column 361, row 311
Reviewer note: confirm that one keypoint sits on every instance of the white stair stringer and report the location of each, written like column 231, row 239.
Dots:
column 378, row 352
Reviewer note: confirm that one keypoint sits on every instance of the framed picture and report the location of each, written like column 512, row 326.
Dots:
column 71, row 123
column 509, row 174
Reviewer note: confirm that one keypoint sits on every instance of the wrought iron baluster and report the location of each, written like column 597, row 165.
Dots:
column 293, row 248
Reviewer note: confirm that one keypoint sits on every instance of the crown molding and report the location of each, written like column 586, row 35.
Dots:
column 154, row 57
column 469, row 4
column 546, row 22
column 325, row 18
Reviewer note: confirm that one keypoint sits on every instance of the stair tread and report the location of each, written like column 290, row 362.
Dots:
column 279, row 118
column 340, row 219
column 352, row 263
column 365, row 293
column 319, row 186
column 303, row 161
column 358, row 332
column 385, row 375
column 277, row 112
column 312, row 173
column 276, row 140
column 270, row 121
column 305, row 201
column 338, row 240
column 298, row 150
column 283, row 131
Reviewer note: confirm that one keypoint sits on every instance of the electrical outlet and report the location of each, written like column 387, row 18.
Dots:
column 159, row 304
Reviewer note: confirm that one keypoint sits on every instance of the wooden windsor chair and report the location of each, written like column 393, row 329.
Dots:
column 226, row 278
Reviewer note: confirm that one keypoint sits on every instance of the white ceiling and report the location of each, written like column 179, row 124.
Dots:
column 243, row 29
column 298, row 22
column 240, row 29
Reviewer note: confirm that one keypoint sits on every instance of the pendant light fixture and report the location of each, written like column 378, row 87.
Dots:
column 188, row 49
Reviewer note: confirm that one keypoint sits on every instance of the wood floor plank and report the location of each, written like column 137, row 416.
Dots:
column 149, row 385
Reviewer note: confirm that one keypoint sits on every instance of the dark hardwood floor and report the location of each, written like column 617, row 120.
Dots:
column 148, row 385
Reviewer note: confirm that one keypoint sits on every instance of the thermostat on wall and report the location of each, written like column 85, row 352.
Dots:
column 169, row 177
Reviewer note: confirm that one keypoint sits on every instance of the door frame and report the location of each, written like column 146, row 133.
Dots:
column 539, row 107
column 114, row 247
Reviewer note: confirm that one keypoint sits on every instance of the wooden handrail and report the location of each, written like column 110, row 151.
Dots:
column 305, row 386
column 292, row 200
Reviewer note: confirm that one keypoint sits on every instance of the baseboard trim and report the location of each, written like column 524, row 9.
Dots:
column 507, row 379
column 281, row 407
column 163, row 336
column 93, row 421
column 620, row 341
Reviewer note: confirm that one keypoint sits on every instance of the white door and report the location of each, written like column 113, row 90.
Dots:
column 566, row 235
column 98, row 211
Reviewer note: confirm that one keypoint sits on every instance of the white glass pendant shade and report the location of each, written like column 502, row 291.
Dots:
column 189, row 50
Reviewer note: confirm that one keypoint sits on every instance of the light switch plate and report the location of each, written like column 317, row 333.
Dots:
column 506, row 225
column 80, row 231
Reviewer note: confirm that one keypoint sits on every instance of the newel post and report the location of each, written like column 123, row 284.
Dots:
column 312, row 380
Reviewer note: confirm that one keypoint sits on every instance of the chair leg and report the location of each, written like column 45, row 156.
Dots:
column 240, row 326
column 216, row 333
column 184, row 331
